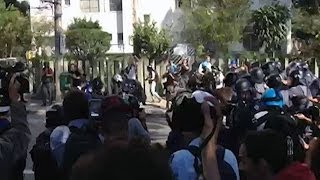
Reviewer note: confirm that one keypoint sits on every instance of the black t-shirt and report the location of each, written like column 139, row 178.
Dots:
column 76, row 82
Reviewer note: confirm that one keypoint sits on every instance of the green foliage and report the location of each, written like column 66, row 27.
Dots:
column 310, row 6
column 42, row 30
column 218, row 21
column 149, row 41
column 22, row 6
column 306, row 27
column 15, row 32
column 86, row 41
column 270, row 26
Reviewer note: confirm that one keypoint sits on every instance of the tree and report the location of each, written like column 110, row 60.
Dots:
column 149, row 41
column 86, row 40
column 15, row 32
column 22, row 6
column 42, row 30
column 306, row 27
column 270, row 26
column 218, row 21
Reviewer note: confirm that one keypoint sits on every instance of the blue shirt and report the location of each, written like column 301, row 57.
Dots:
column 182, row 163
column 172, row 69
column 205, row 65
column 59, row 137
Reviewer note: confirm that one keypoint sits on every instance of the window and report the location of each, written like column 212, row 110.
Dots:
column 89, row 5
column 146, row 18
column 115, row 5
column 120, row 38
column 67, row 2
column 178, row 3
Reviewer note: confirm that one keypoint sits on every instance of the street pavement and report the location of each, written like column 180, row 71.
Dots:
column 156, row 123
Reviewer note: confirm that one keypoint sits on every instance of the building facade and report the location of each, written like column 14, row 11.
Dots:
column 114, row 16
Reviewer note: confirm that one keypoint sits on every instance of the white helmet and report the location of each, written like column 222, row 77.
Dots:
column 117, row 78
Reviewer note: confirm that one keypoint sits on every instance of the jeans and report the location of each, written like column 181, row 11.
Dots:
column 153, row 90
column 47, row 92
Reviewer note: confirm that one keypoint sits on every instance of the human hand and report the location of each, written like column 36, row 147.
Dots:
column 13, row 89
column 302, row 117
column 212, row 121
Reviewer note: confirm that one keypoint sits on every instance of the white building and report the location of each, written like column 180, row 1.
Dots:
column 115, row 16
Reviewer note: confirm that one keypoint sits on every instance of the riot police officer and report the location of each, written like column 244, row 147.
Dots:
column 257, row 78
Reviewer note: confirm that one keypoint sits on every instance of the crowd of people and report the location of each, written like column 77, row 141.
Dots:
column 262, row 123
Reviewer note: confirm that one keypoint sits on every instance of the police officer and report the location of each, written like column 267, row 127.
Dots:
column 240, row 117
column 257, row 78
column 298, row 86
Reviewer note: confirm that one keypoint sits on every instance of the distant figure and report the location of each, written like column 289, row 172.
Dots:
column 131, row 71
column 152, row 79
column 76, row 76
column 46, row 87
column 205, row 66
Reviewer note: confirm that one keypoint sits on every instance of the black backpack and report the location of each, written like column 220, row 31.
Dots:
column 81, row 141
column 225, row 169
column 286, row 125
column 44, row 164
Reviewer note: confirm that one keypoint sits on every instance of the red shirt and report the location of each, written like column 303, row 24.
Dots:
column 296, row 171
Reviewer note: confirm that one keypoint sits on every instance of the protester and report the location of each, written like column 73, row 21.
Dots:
column 185, row 162
column 76, row 76
column 313, row 157
column 14, row 140
column 137, row 127
column 206, row 65
column 153, row 78
column 46, row 86
column 121, row 160
column 184, row 73
column 131, row 70
column 76, row 139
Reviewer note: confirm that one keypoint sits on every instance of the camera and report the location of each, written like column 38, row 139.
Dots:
column 95, row 109
column 5, row 75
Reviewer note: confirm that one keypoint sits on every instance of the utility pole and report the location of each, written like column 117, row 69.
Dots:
column 58, row 46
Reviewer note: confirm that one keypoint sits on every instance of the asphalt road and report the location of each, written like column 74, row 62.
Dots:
column 36, row 116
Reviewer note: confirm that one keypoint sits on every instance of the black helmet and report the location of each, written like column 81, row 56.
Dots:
column 270, row 68
column 255, row 64
column 297, row 77
column 243, row 85
column 97, row 84
column 230, row 79
column 19, row 67
column 257, row 75
column 274, row 81
column 292, row 66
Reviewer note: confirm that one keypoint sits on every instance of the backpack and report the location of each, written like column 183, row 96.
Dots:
column 285, row 124
column 225, row 169
column 80, row 141
column 44, row 164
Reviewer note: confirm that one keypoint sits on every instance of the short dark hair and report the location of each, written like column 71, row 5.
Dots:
column 269, row 146
column 121, row 160
column 75, row 105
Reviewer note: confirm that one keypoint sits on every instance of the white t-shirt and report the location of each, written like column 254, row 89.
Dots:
column 132, row 73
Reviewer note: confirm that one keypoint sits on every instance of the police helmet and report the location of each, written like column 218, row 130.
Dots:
column 270, row 68
column 297, row 77
column 257, row 75
column 274, row 81
column 97, row 84
column 243, row 85
column 230, row 79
